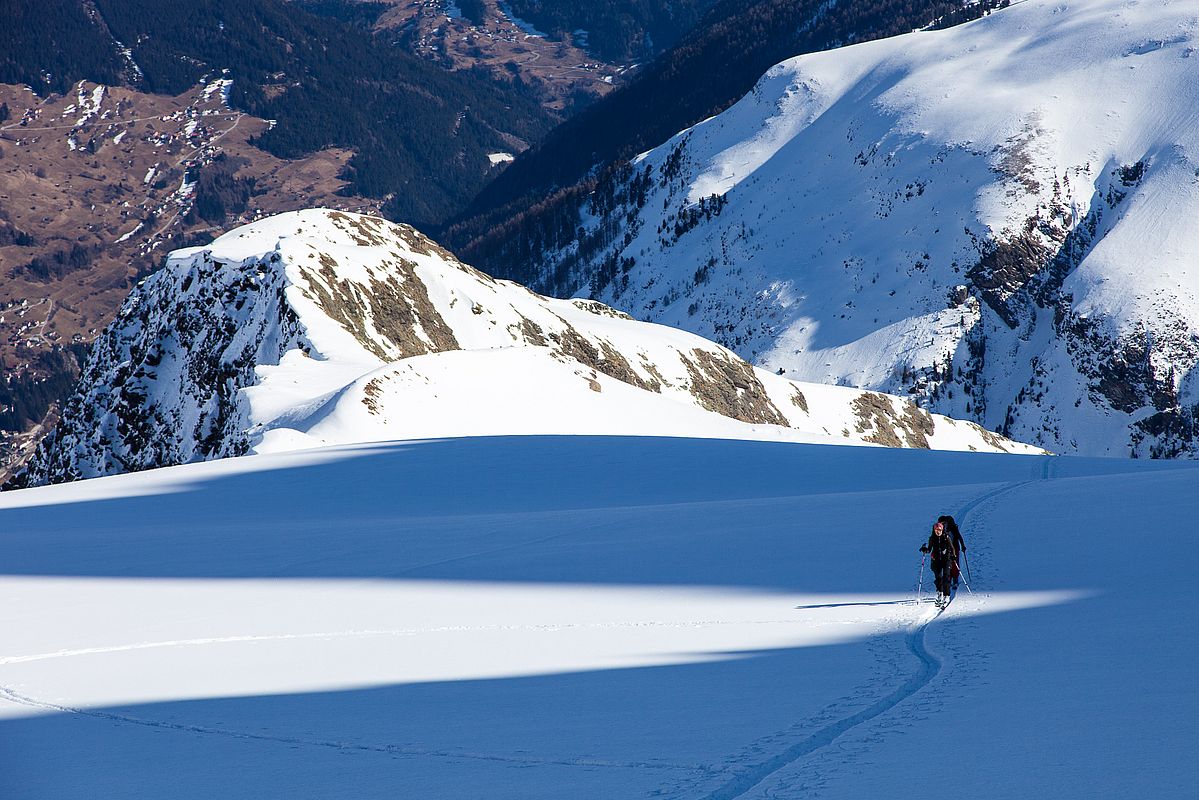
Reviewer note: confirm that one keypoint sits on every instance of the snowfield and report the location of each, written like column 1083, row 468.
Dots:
column 599, row 617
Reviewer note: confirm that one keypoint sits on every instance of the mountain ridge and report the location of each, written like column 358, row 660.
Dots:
column 990, row 219
column 712, row 66
column 322, row 327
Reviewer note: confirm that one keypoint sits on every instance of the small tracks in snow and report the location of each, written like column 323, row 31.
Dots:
column 390, row 749
column 930, row 667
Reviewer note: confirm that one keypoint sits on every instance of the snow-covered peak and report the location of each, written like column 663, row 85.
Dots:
column 321, row 327
column 997, row 219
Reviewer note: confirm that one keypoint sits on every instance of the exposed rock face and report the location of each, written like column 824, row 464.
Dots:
column 997, row 225
column 728, row 386
column 162, row 381
column 878, row 419
column 264, row 339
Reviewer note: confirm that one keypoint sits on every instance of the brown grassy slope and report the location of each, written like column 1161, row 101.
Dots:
column 109, row 183
column 93, row 196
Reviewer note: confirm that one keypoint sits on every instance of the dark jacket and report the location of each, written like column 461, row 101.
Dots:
column 940, row 548
column 951, row 527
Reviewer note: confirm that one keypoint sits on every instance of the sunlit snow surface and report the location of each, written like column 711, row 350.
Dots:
column 598, row 617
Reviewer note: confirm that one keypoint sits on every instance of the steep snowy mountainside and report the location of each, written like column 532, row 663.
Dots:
column 323, row 327
column 708, row 70
column 997, row 219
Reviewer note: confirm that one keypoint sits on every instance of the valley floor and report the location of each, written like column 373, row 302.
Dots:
column 601, row 617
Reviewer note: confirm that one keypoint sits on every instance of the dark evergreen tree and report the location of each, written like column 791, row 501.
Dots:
column 361, row 14
column 218, row 192
column 25, row 397
column 475, row 11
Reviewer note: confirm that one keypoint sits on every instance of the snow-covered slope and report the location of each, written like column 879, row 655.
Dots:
column 999, row 219
column 320, row 327
column 600, row 617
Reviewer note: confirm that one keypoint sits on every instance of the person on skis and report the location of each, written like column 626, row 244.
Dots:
column 959, row 545
column 943, row 557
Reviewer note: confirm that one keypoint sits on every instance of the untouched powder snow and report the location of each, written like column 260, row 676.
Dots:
column 598, row 617
column 998, row 218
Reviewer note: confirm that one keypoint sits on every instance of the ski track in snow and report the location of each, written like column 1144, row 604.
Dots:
column 930, row 667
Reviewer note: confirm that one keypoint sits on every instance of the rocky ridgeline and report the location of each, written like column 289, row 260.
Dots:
column 265, row 330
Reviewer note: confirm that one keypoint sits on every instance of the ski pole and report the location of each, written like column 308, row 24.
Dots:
column 959, row 569
column 920, row 582
column 968, row 575
column 965, row 582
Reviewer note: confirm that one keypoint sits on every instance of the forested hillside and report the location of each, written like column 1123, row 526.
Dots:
column 51, row 44
column 617, row 30
column 421, row 134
